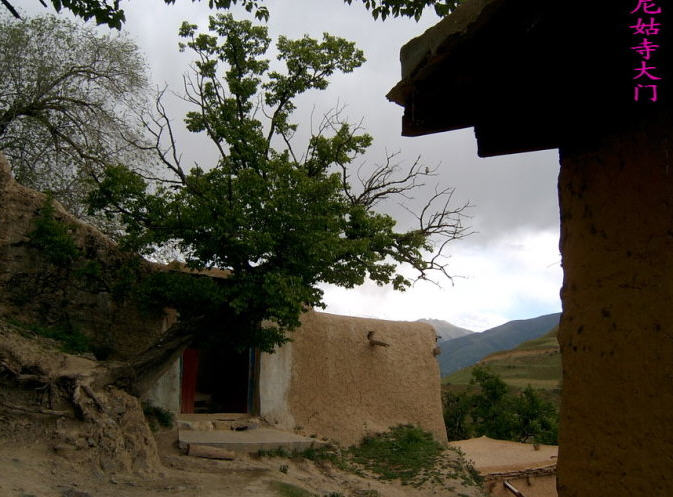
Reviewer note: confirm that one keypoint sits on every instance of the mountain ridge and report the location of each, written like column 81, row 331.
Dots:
column 464, row 351
column 445, row 330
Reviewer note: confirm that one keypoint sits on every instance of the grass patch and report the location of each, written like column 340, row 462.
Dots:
column 466, row 470
column 403, row 452
column 289, row 490
column 406, row 452
column 158, row 417
column 71, row 340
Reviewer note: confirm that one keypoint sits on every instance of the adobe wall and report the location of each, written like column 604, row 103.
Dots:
column 165, row 392
column 33, row 290
column 616, row 332
column 337, row 385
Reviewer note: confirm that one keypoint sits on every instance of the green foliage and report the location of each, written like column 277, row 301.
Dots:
column 279, row 221
column 113, row 16
column 497, row 412
column 456, row 408
column 158, row 416
column 52, row 238
column 71, row 340
column 470, row 475
column 402, row 453
column 407, row 8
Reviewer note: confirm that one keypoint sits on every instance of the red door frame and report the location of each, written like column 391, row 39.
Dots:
column 190, row 369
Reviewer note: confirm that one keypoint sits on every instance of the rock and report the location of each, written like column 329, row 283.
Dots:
column 71, row 492
column 64, row 450
column 81, row 443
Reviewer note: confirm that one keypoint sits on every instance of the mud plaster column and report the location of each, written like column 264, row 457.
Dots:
column 616, row 333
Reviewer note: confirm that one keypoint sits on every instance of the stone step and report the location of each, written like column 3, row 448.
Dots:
column 249, row 441
column 208, row 422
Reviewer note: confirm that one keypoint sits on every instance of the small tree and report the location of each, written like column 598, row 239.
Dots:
column 64, row 91
column 279, row 219
column 537, row 419
column 457, row 407
column 493, row 414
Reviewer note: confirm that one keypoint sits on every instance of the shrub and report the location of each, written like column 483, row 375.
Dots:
column 158, row 417
column 52, row 237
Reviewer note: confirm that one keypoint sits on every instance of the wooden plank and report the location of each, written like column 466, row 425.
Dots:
column 511, row 488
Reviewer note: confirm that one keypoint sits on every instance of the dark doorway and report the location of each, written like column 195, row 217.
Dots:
column 215, row 380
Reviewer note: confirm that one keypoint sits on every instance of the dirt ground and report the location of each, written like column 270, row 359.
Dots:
column 63, row 436
column 29, row 467
column 493, row 456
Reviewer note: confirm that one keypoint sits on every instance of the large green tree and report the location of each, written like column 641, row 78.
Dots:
column 65, row 95
column 110, row 13
column 282, row 217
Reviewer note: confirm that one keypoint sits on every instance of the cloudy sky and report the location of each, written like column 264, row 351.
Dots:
column 508, row 269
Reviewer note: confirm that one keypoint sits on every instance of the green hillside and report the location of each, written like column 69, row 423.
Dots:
column 467, row 350
column 536, row 362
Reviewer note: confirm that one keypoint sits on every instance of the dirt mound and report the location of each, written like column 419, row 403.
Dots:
column 57, row 403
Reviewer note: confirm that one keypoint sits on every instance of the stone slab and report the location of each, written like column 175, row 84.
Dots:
column 249, row 441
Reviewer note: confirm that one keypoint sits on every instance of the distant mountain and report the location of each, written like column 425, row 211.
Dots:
column 446, row 330
column 467, row 350
column 536, row 362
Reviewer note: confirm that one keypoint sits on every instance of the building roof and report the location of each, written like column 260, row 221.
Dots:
column 527, row 74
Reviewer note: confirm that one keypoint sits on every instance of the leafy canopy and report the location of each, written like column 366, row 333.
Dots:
column 279, row 220
column 497, row 412
column 110, row 13
column 65, row 92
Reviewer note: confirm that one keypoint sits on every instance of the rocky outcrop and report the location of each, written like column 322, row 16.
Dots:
column 88, row 295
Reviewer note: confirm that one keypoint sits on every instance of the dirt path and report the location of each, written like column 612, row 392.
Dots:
column 30, row 468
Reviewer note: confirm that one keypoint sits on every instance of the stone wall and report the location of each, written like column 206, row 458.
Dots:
column 616, row 332
column 332, row 382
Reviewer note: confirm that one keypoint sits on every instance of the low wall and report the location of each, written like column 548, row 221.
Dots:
column 332, row 382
